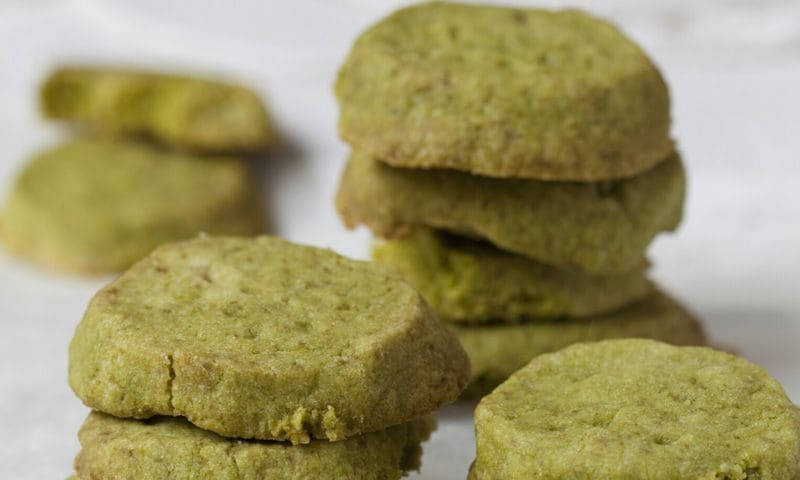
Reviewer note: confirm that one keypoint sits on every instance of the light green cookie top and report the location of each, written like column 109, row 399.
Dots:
column 95, row 207
column 189, row 113
column 625, row 409
column 497, row 351
column 504, row 92
column 166, row 448
column 601, row 228
column 469, row 282
column 262, row 338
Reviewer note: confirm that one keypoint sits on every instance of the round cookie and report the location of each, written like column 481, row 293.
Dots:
column 471, row 282
column 187, row 113
column 602, row 228
column 165, row 448
column 497, row 351
column 262, row 338
column 97, row 207
column 622, row 409
column 504, row 92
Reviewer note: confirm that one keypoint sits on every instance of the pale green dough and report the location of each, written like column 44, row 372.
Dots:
column 496, row 351
column 471, row 282
column 601, row 228
column 166, row 448
column 90, row 206
column 262, row 338
column 504, row 92
column 183, row 112
column 637, row 409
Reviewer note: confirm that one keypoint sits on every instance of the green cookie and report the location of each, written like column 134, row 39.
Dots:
column 497, row 351
column 96, row 207
column 470, row 282
column 261, row 338
column 602, row 228
column 164, row 448
column 504, row 92
column 636, row 409
column 189, row 113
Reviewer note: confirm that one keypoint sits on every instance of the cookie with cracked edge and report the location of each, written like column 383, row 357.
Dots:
column 168, row 448
column 601, row 228
column 622, row 409
column 496, row 351
column 262, row 338
column 91, row 207
column 471, row 282
column 504, row 92
column 185, row 112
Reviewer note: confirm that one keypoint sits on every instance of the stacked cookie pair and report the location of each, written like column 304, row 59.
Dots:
column 160, row 158
column 230, row 358
column 520, row 163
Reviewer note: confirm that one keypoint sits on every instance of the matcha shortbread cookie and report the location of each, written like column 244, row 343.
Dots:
column 601, row 228
column 624, row 409
column 261, row 338
column 165, row 448
column 96, row 207
column 497, row 351
column 470, row 282
column 189, row 113
column 504, row 92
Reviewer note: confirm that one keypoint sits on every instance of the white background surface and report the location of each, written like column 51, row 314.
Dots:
column 734, row 69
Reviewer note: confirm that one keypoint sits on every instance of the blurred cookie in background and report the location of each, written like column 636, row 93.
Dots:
column 183, row 112
column 92, row 206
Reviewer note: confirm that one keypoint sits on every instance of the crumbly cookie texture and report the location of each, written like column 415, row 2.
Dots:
column 471, row 282
column 184, row 112
column 91, row 206
column 262, row 338
column 601, row 228
column 505, row 92
column 496, row 351
column 622, row 409
column 165, row 448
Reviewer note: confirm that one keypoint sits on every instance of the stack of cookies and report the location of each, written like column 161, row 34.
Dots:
column 206, row 348
column 160, row 158
column 520, row 163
